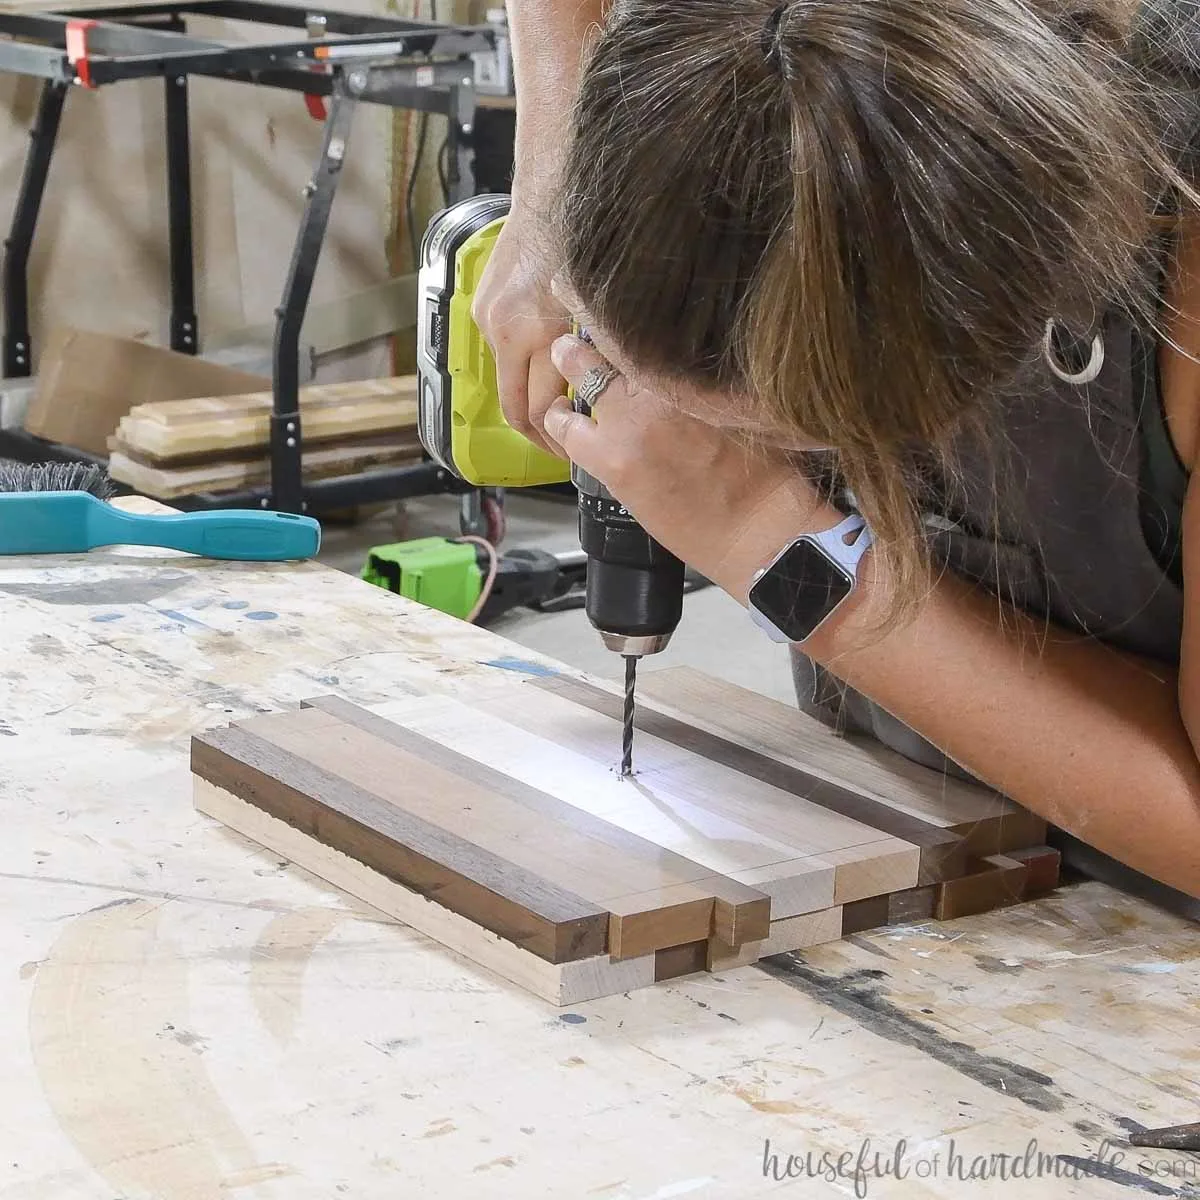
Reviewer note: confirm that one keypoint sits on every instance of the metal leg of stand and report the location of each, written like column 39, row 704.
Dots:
column 460, row 185
column 185, row 335
column 470, row 513
column 460, row 131
column 18, row 350
column 287, row 487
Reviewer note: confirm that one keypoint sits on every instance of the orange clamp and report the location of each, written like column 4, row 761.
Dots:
column 77, row 49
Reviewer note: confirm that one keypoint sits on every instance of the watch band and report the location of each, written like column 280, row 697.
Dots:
column 833, row 541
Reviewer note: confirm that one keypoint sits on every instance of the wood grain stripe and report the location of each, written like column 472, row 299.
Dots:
column 943, row 853
column 515, row 904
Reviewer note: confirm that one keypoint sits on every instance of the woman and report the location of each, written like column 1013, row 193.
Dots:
column 929, row 263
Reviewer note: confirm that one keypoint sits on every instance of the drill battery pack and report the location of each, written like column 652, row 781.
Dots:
column 436, row 572
column 460, row 422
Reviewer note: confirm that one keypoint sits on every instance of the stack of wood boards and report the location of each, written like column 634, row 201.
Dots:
column 501, row 828
column 173, row 448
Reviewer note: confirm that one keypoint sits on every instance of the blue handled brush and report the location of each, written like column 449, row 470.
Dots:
column 60, row 508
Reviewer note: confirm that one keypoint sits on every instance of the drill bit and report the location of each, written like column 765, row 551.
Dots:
column 627, row 731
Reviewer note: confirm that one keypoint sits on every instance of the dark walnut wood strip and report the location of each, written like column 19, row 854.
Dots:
column 687, row 959
column 501, row 897
column 994, row 882
column 943, row 853
column 862, row 915
column 741, row 913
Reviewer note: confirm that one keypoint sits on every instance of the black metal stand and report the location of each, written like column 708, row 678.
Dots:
column 399, row 63
column 185, row 332
column 285, row 422
column 18, row 347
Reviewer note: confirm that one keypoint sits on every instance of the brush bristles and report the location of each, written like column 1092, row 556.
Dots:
column 55, row 477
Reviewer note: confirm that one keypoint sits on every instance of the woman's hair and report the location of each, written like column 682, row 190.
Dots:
column 858, row 215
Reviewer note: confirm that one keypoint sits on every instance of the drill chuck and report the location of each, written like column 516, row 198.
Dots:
column 634, row 585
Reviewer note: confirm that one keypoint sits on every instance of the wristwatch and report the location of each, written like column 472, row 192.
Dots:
column 805, row 583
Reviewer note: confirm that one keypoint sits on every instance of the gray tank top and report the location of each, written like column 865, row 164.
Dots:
column 1058, row 525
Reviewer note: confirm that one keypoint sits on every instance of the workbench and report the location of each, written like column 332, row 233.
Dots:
column 185, row 1017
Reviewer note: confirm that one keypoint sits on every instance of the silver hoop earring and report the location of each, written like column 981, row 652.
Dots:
column 1089, row 373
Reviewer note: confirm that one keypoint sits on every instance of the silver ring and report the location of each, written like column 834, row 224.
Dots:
column 594, row 383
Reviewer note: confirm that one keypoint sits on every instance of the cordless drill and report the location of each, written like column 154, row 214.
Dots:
column 634, row 588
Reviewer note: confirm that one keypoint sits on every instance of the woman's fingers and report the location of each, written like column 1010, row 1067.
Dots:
column 545, row 387
column 575, row 434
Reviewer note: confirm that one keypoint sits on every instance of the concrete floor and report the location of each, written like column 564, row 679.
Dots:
column 715, row 636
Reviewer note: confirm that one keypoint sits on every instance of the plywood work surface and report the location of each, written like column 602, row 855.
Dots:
column 182, row 1015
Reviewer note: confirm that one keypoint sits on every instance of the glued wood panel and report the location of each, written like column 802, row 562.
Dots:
column 989, row 823
column 554, row 759
column 559, row 984
column 569, row 755
column 534, row 831
column 690, row 864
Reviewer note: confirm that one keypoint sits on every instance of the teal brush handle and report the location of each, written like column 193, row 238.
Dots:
column 240, row 534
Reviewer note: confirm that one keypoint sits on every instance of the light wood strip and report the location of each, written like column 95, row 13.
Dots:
column 802, row 886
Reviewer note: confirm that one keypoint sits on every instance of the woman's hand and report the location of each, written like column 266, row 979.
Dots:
column 519, row 317
column 712, row 496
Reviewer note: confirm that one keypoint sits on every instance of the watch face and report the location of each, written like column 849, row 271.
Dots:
column 800, row 590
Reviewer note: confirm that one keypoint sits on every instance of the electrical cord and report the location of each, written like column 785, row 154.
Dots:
column 443, row 168
column 418, row 155
column 489, row 580
column 576, row 597
column 422, row 131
